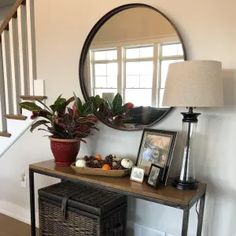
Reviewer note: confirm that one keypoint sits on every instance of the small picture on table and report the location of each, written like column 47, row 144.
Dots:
column 154, row 177
column 137, row 174
column 156, row 147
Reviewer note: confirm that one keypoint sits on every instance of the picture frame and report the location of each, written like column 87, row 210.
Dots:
column 155, row 175
column 156, row 147
column 137, row 174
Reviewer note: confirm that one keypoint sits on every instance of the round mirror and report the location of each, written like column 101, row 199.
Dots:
column 124, row 63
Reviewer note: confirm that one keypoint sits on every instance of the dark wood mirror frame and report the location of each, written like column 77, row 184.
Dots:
column 87, row 45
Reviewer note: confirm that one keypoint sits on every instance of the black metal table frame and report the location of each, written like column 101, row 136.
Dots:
column 186, row 210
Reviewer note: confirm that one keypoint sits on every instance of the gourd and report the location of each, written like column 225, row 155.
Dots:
column 80, row 163
column 127, row 163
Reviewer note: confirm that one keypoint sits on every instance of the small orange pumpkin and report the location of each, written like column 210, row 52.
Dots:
column 106, row 167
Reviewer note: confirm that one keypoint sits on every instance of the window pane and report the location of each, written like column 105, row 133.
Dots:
column 100, row 81
column 112, row 55
column 100, row 69
column 139, row 82
column 111, row 82
column 164, row 69
column 142, row 97
column 146, row 67
column 139, row 52
column 146, row 52
column 132, row 53
column 132, row 68
column 172, row 50
column 105, row 55
column 112, row 69
column 139, row 74
column 132, row 81
column 100, row 55
column 145, row 81
column 142, row 68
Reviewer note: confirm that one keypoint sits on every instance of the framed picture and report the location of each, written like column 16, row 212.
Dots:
column 156, row 147
column 155, row 175
column 137, row 174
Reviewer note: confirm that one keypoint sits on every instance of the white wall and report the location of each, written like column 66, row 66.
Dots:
column 3, row 12
column 208, row 29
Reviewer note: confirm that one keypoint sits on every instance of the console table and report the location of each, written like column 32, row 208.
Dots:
column 168, row 195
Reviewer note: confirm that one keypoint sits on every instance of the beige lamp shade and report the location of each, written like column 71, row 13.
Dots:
column 194, row 84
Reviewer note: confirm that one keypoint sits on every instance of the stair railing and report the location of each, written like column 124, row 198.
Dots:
column 17, row 61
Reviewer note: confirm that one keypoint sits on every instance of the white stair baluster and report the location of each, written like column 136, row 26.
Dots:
column 3, row 121
column 14, row 51
column 7, row 71
column 31, row 43
column 23, row 51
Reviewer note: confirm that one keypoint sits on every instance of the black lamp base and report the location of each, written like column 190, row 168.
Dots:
column 184, row 185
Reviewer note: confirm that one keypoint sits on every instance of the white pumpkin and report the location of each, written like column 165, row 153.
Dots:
column 127, row 163
column 80, row 163
column 116, row 158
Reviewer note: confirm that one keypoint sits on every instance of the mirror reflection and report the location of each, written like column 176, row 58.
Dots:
column 130, row 54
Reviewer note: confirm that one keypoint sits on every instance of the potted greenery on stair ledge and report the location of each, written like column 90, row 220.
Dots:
column 68, row 122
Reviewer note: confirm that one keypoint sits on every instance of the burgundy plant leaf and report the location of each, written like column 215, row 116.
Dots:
column 62, row 121
column 34, row 115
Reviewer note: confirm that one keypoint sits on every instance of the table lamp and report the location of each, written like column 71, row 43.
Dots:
column 192, row 84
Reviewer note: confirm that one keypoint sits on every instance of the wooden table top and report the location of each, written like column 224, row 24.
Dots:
column 166, row 195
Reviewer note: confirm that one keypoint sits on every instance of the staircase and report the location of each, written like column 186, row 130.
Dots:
column 17, row 71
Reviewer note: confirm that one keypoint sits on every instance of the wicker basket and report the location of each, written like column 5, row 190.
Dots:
column 69, row 209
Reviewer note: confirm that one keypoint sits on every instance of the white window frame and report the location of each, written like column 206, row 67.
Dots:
column 93, row 62
column 125, row 60
column 160, row 59
column 121, row 61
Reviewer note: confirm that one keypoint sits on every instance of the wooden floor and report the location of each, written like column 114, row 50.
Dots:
column 12, row 227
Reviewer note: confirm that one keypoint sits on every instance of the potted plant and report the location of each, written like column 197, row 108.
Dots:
column 113, row 112
column 68, row 122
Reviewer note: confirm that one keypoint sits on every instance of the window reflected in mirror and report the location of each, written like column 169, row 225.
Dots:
column 141, row 69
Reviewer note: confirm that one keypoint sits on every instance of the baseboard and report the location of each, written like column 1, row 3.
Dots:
column 134, row 229
column 10, row 214
column 16, row 212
